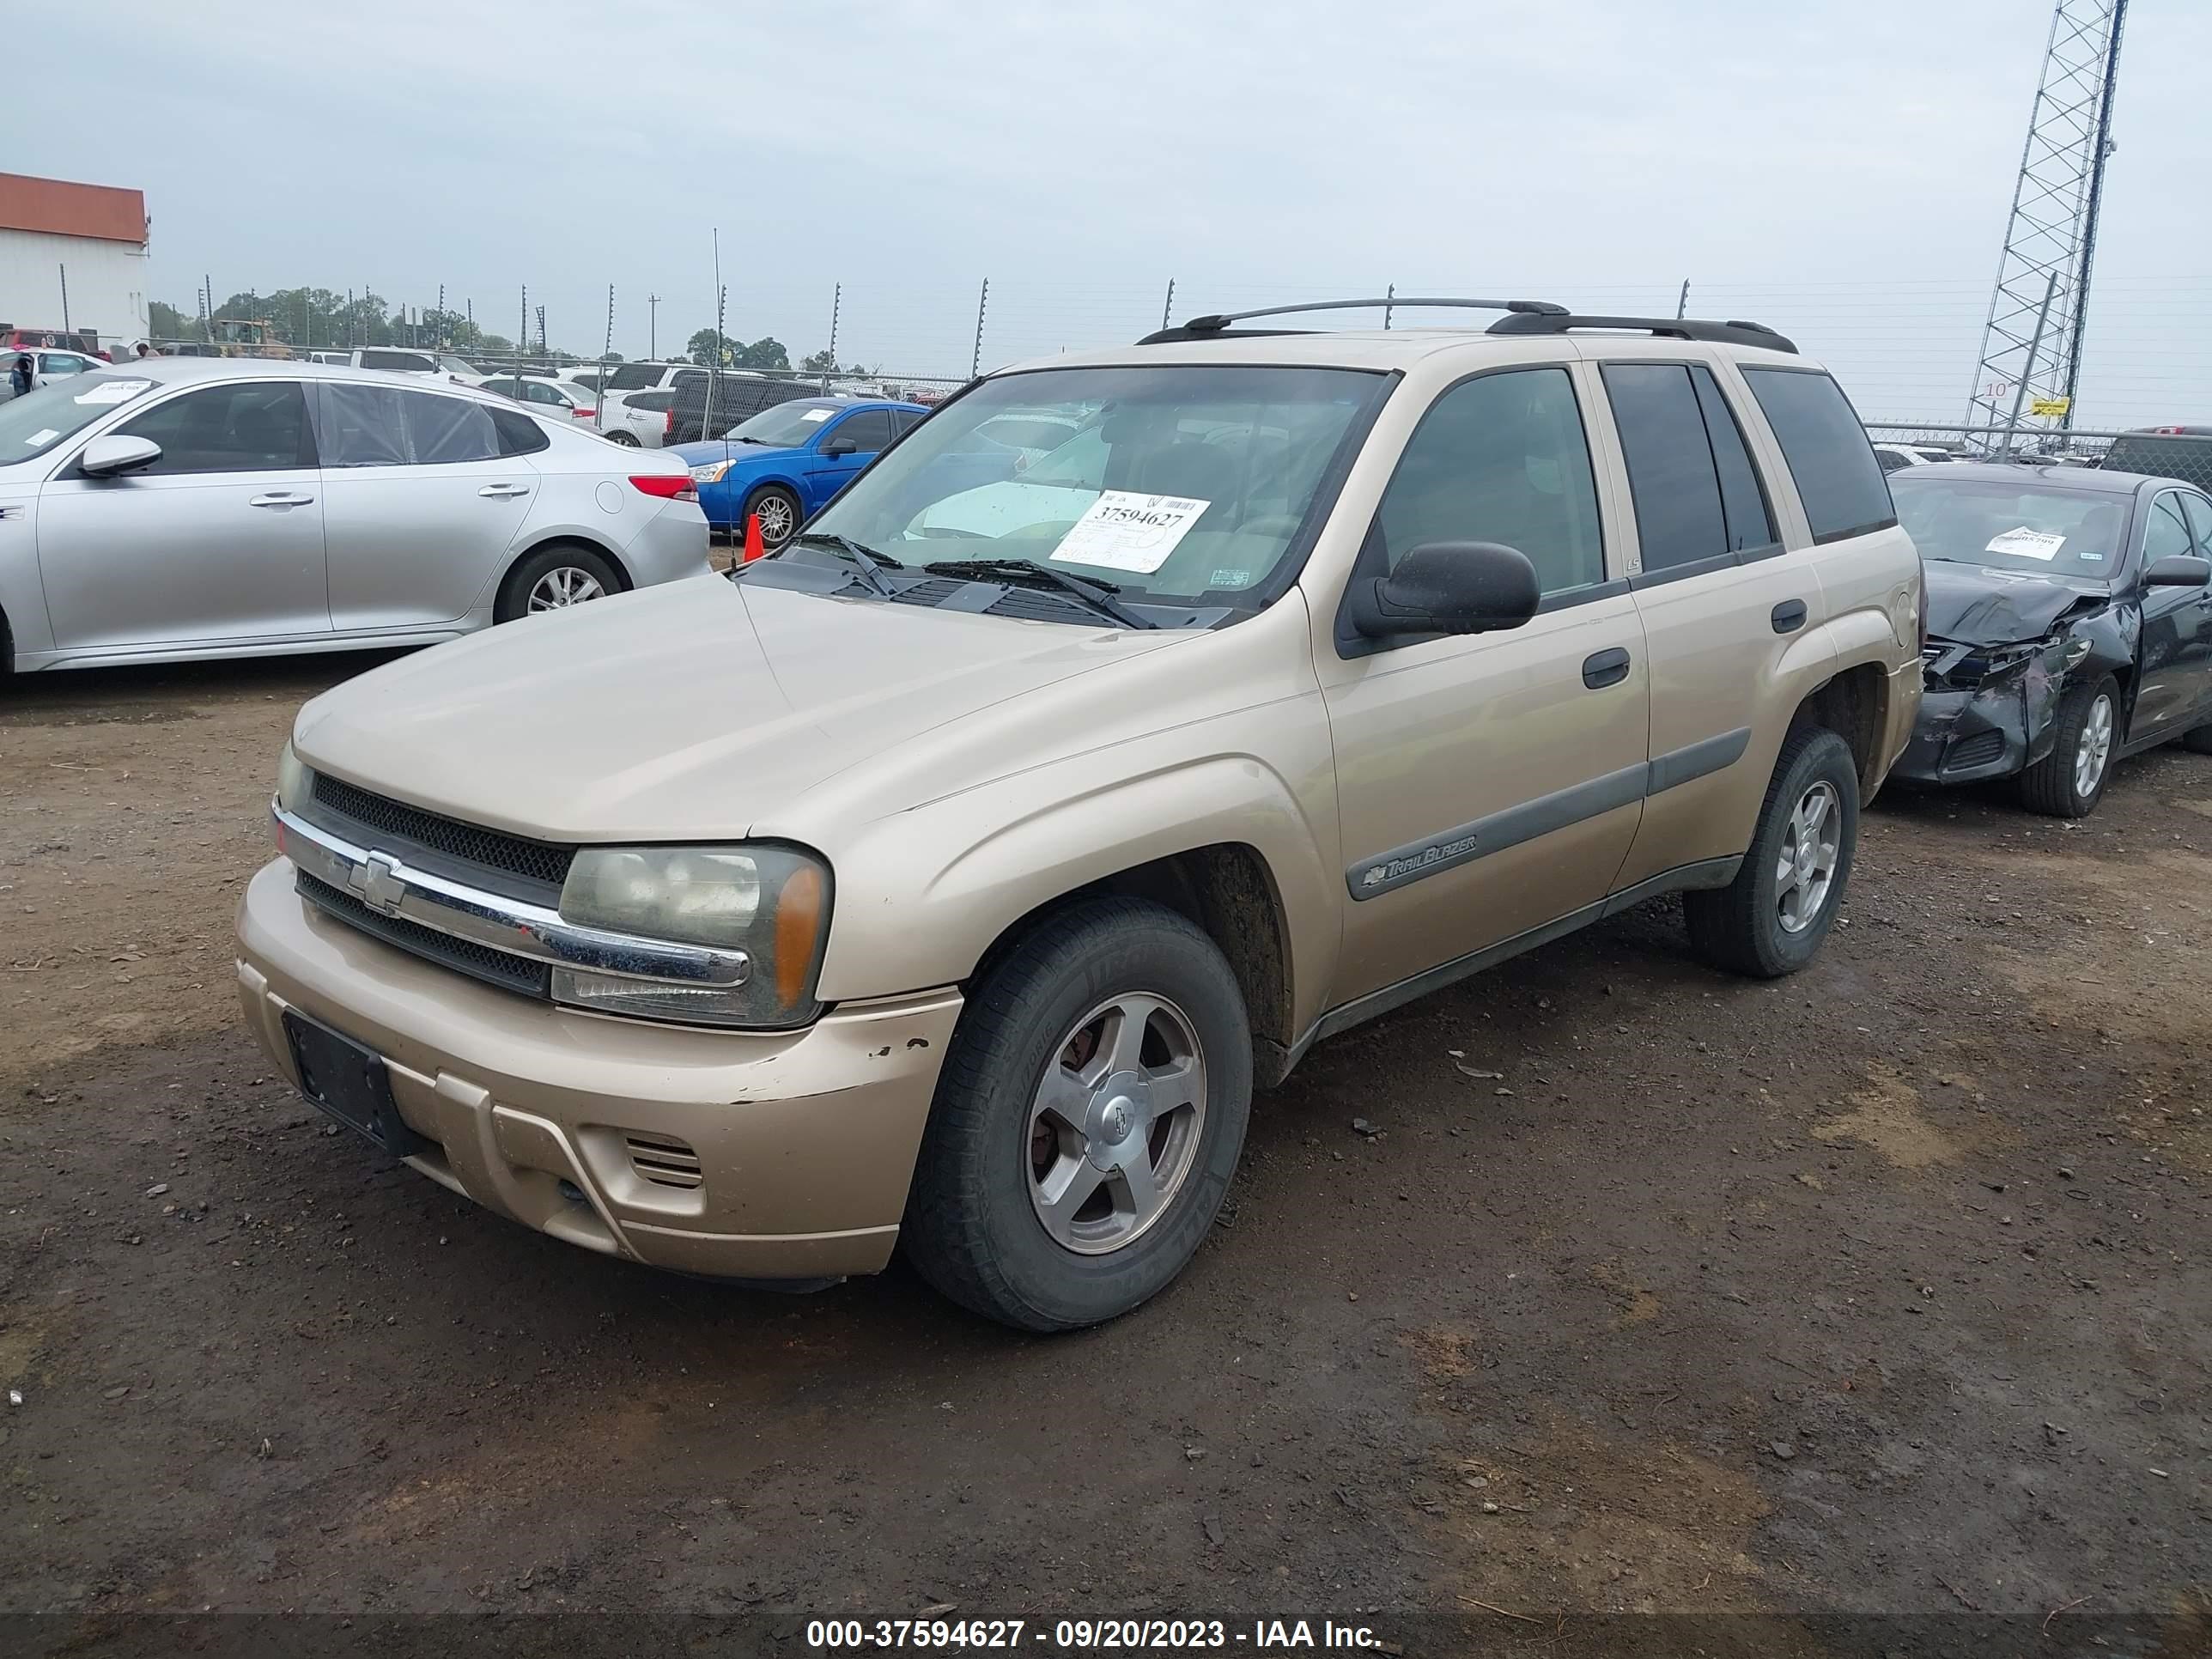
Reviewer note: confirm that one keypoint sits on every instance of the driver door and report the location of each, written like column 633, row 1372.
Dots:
column 1488, row 784
column 2177, row 623
column 221, row 539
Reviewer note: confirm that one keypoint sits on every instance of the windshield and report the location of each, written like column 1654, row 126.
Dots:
column 34, row 423
column 1171, row 483
column 2009, row 526
column 784, row 426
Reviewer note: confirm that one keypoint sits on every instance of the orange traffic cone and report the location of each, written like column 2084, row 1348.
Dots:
column 755, row 548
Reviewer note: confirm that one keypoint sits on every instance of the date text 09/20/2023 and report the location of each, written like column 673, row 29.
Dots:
column 1089, row 1635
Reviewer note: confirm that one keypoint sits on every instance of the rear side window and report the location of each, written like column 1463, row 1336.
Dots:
column 651, row 402
column 1844, row 492
column 1697, row 495
column 1501, row 458
column 632, row 377
column 402, row 359
column 518, row 433
column 384, row 426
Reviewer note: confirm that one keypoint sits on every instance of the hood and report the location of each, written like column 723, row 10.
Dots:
column 701, row 455
column 681, row 712
column 1975, row 605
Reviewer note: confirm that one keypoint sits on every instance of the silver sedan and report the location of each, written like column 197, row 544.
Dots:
column 193, row 506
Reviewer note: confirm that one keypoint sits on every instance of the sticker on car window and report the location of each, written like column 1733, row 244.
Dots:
column 2026, row 544
column 2092, row 558
column 1230, row 579
column 45, row 435
column 1124, row 531
column 111, row 391
column 818, row 414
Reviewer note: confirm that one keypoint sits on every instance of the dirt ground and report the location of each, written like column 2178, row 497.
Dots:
column 1881, row 1290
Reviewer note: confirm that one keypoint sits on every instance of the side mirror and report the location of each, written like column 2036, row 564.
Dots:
column 837, row 447
column 1448, row 587
column 2178, row 570
column 111, row 457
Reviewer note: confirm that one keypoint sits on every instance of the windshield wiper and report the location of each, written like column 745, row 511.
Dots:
column 1098, row 595
column 869, row 563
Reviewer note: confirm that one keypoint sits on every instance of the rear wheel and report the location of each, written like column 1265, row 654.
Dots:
column 1089, row 1116
column 2198, row 742
column 1771, row 920
column 553, row 578
column 777, row 508
column 2069, row 780
column 628, row 441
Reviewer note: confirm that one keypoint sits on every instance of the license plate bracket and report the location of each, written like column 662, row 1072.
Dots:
column 350, row 1084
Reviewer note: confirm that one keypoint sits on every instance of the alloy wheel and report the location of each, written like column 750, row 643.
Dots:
column 1806, row 868
column 2095, row 750
column 1114, row 1128
column 563, row 586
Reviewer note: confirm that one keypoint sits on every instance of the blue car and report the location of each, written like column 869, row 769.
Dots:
column 785, row 462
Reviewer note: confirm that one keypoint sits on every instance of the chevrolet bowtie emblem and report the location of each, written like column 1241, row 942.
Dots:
column 379, row 883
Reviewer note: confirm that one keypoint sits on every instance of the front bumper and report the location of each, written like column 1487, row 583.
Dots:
column 1996, row 730
column 804, row 1141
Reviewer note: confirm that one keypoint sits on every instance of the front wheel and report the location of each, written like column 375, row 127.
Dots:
column 1771, row 920
column 2069, row 780
column 628, row 441
column 777, row 509
column 1088, row 1118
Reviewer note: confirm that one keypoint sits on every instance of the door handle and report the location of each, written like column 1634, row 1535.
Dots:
column 278, row 498
column 1789, row 616
column 1604, row 668
column 502, row 489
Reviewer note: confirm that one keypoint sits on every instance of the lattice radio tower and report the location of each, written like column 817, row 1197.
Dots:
column 2053, row 231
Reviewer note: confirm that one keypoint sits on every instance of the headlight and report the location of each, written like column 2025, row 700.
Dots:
column 771, row 903
column 710, row 473
column 292, row 780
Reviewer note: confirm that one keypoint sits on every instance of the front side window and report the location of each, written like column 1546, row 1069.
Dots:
column 255, row 426
column 1844, row 492
column 1997, row 523
column 1501, row 458
column 1180, row 481
column 2198, row 511
column 867, row 431
column 57, row 364
column 2167, row 533
column 544, row 392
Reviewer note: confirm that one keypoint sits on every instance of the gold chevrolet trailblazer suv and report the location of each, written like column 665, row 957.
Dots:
column 950, row 880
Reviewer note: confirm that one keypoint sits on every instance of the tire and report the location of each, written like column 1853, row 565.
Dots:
column 627, row 439
column 996, row 1153
column 1756, row 925
column 779, row 515
column 536, row 583
column 2069, row 780
column 2199, row 741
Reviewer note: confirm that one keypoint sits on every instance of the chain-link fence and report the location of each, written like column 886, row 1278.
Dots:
column 2169, row 453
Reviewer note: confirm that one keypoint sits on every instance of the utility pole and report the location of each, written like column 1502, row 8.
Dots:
column 1682, row 304
column 522, row 339
column 983, row 303
column 1389, row 294
column 2051, row 232
column 1167, row 305
column 653, row 328
column 65, row 318
column 837, row 305
column 543, row 349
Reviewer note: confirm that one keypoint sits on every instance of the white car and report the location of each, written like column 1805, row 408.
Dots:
column 47, row 365
column 1891, row 455
column 405, row 361
column 643, row 418
column 558, row 398
column 184, row 508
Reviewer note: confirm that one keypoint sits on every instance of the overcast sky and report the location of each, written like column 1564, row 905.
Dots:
column 1847, row 167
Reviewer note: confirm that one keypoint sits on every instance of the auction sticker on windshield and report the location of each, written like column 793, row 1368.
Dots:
column 111, row 391
column 1124, row 531
column 2026, row 544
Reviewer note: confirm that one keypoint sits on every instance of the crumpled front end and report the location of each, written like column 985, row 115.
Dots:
column 1987, row 711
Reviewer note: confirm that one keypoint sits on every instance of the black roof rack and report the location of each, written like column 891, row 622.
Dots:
column 1216, row 325
column 1672, row 328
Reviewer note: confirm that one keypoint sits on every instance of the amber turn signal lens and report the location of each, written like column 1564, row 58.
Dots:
column 797, row 934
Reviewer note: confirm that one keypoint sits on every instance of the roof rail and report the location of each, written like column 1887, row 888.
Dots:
column 1216, row 325
column 1673, row 328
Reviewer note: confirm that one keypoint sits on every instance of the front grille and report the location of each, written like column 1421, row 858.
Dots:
column 664, row 1161
column 510, row 973
column 357, row 809
column 1977, row 750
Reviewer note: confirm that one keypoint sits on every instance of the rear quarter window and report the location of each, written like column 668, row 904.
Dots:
column 1845, row 491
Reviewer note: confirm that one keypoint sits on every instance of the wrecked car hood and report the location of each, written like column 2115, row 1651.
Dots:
column 1975, row 605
